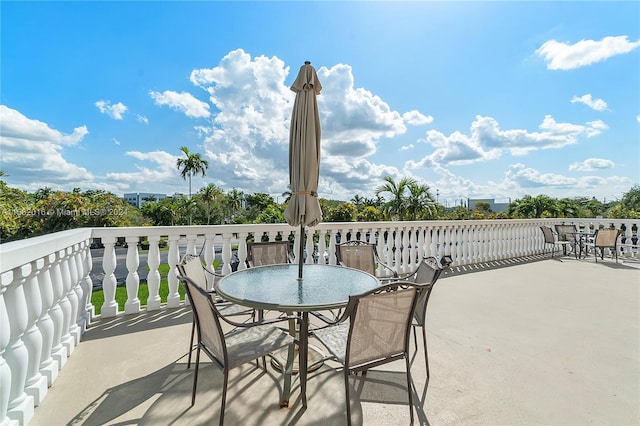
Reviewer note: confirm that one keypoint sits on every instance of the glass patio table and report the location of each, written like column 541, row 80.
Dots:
column 276, row 287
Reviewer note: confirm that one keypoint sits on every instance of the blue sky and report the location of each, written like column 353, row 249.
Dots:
column 475, row 99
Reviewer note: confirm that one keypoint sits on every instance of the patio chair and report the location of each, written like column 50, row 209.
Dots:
column 363, row 256
column 550, row 238
column 373, row 330
column 426, row 275
column 568, row 233
column 605, row 238
column 246, row 342
column 191, row 266
column 268, row 253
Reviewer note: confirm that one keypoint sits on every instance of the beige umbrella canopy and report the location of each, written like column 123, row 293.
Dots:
column 303, row 208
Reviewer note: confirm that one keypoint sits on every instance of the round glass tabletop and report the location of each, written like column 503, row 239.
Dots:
column 277, row 286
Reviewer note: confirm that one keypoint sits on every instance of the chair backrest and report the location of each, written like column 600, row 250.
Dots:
column 380, row 321
column 606, row 237
column 210, row 332
column 548, row 234
column 268, row 253
column 191, row 266
column 358, row 255
column 428, row 272
column 566, row 232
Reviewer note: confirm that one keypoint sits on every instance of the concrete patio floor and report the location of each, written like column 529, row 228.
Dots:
column 535, row 342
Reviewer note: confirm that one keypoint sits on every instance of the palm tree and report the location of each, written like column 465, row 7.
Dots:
column 209, row 194
column 396, row 205
column 420, row 202
column 191, row 164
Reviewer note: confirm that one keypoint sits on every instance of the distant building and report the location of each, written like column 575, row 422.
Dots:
column 495, row 207
column 138, row 199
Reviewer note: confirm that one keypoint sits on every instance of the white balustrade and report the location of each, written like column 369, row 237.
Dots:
column 45, row 292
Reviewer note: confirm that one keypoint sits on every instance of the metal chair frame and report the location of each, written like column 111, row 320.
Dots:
column 232, row 349
column 348, row 330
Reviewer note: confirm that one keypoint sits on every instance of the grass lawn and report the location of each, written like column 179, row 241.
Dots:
column 97, row 296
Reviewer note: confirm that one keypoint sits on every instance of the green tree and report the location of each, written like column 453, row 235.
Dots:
column 395, row 206
column 420, row 203
column 345, row 212
column 191, row 164
column 631, row 199
column 210, row 194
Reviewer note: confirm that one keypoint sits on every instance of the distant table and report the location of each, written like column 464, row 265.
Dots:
column 582, row 238
column 276, row 287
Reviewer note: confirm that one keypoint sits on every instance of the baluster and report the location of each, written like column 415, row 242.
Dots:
column 132, row 305
column 173, row 298
column 109, row 306
column 309, row 245
column 242, row 250
column 322, row 247
column 209, row 257
column 191, row 244
column 226, row 252
column 48, row 365
column 16, row 355
column 332, row 247
column 72, row 295
column 36, row 384
column 420, row 243
column 5, row 370
column 62, row 288
column 59, row 351
column 85, row 302
column 405, row 263
column 153, row 277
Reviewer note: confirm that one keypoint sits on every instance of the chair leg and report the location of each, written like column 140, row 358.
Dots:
column 195, row 377
column 193, row 333
column 225, row 384
column 346, row 391
column 426, row 354
column 406, row 358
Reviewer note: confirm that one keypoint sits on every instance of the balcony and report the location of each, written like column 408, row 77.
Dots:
column 515, row 337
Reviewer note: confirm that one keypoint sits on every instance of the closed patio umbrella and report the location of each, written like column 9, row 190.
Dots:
column 303, row 208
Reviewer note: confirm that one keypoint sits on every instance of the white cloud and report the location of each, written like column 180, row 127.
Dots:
column 248, row 141
column 116, row 141
column 407, row 147
column 638, row 118
column 142, row 119
column 31, row 148
column 416, row 118
column 592, row 164
column 184, row 102
column 487, row 141
column 596, row 104
column 114, row 111
column 564, row 56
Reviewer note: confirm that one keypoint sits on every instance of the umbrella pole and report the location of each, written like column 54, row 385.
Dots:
column 301, row 253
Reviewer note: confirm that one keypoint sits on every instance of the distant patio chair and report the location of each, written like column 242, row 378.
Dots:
column 268, row 253
column 373, row 330
column 245, row 343
column 550, row 239
column 567, row 233
column 605, row 238
column 363, row 256
column 191, row 266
